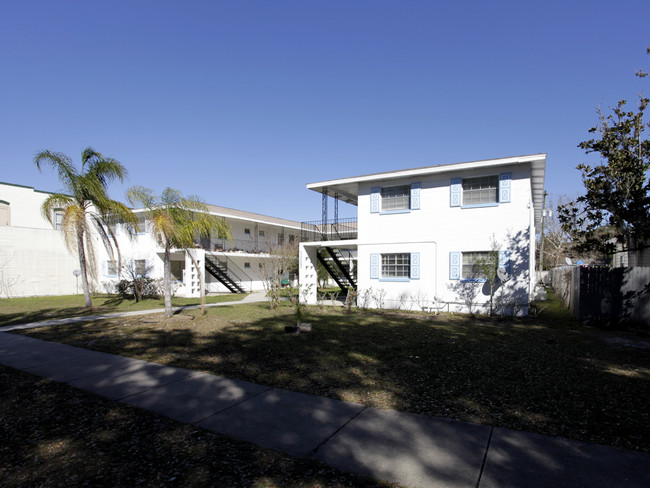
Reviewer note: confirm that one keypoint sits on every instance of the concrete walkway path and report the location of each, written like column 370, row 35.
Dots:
column 412, row 450
column 258, row 296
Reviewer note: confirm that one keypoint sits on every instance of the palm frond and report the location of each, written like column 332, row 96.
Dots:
column 63, row 166
column 108, row 239
column 53, row 202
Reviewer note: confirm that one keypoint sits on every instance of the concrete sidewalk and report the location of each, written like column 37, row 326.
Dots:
column 413, row 450
column 252, row 298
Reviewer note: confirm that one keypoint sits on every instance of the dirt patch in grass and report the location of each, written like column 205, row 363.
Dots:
column 55, row 435
column 547, row 375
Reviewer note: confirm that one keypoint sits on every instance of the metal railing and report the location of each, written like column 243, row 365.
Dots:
column 235, row 272
column 332, row 230
column 237, row 245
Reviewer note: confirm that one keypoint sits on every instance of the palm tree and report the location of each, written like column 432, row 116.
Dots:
column 86, row 205
column 177, row 221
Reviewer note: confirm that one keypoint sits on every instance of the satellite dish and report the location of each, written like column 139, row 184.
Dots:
column 76, row 272
column 503, row 275
column 568, row 261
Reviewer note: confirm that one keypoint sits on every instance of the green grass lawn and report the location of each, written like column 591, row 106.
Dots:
column 35, row 309
column 548, row 374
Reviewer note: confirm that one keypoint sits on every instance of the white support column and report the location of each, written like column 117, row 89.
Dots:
column 191, row 277
column 308, row 274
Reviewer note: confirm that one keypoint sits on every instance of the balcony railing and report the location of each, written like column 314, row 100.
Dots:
column 237, row 245
column 332, row 230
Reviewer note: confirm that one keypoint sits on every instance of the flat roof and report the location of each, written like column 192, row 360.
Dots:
column 243, row 215
column 347, row 189
column 213, row 209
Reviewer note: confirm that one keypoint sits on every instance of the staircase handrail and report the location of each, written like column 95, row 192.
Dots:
column 232, row 264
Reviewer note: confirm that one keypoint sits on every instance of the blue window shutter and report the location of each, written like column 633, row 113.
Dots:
column 374, row 266
column 454, row 265
column 415, row 196
column 504, row 187
column 374, row 199
column 455, row 192
column 504, row 260
column 415, row 265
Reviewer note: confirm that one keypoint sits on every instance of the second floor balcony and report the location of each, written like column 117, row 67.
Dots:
column 332, row 230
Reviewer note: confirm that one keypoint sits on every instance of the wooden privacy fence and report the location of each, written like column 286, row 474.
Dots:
column 605, row 297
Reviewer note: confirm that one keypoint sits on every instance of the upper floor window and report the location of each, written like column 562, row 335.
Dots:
column 480, row 190
column 396, row 198
column 5, row 213
column 280, row 239
column 396, row 265
column 58, row 219
column 261, row 233
column 247, row 232
column 142, row 224
column 292, row 239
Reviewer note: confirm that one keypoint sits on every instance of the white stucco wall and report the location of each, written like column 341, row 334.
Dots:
column 35, row 262
column 144, row 246
column 25, row 204
column 437, row 229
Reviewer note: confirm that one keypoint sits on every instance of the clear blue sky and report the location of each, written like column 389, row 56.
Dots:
column 243, row 102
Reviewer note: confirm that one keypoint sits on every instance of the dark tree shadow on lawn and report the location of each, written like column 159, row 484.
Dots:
column 520, row 374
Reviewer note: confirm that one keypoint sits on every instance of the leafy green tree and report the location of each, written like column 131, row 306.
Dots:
column 615, row 210
column 86, row 205
column 177, row 222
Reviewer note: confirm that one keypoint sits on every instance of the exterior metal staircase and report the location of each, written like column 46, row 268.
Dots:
column 339, row 267
column 220, row 272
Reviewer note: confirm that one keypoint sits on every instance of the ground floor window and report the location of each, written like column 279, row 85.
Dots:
column 472, row 264
column 111, row 268
column 397, row 265
column 140, row 267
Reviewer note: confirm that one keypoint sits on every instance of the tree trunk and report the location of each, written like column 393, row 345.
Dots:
column 167, row 285
column 82, row 267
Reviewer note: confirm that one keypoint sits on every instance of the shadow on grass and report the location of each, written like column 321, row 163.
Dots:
column 522, row 374
column 55, row 435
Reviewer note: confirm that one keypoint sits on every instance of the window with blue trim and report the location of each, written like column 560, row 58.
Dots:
column 472, row 264
column 482, row 191
column 396, row 198
column 477, row 191
column 397, row 265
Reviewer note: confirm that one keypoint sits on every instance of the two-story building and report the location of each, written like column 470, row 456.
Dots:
column 227, row 265
column 34, row 260
column 421, row 235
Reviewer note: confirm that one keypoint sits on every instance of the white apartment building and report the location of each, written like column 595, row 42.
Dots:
column 227, row 265
column 34, row 260
column 419, row 234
